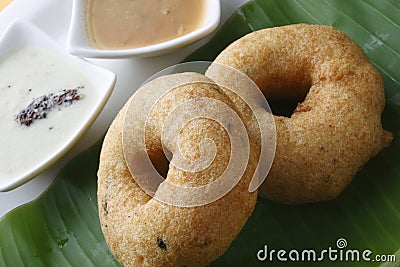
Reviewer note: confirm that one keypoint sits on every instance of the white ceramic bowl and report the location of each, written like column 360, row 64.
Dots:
column 80, row 44
column 21, row 33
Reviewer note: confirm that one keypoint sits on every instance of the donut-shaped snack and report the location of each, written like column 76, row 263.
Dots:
column 335, row 128
column 142, row 230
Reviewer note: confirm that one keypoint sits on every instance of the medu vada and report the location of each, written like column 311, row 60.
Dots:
column 139, row 229
column 336, row 126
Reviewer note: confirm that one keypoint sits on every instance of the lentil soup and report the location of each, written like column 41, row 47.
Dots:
column 124, row 24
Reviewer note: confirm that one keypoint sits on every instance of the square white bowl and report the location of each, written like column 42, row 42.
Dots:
column 80, row 44
column 21, row 33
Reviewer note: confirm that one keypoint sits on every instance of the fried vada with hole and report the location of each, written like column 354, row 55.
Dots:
column 143, row 231
column 335, row 128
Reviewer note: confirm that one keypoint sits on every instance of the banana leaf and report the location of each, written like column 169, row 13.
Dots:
column 62, row 227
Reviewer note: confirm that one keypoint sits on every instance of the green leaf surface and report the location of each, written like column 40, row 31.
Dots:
column 62, row 227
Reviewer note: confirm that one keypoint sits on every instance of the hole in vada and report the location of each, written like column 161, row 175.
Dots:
column 284, row 107
column 161, row 162
column 286, row 103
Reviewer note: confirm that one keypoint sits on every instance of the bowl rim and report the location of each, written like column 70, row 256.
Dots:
column 76, row 30
column 17, row 35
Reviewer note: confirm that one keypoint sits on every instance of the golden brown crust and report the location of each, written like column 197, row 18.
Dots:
column 336, row 129
column 142, row 231
column 331, row 134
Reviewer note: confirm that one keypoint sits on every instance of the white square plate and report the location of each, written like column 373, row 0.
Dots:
column 80, row 44
column 21, row 33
